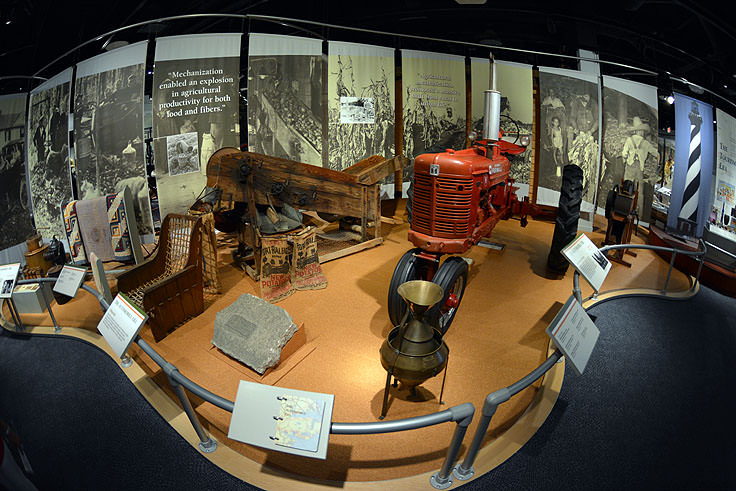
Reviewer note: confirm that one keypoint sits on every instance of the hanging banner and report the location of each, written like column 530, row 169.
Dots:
column 360, row 103
column 195, row 112
column 108, row 128
column 691, row 196
column 285, row 97
column 15, row 212
column 514, row 82
column 48, row 153
column 630, row 128
column 434, row 102
column 724, row 199
column 569, row 132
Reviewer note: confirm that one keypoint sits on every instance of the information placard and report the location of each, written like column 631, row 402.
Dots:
column 574, row 333
column 121, row 323
column 69, row 280
column 8, row 275
column 287, row 420
column 588, row 260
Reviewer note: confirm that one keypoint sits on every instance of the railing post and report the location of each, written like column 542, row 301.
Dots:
column 15, row 314
column 463, row 414
column 465, row 470
column 48, row 307
column 700, row 263
column 576, row 291
column 669, row 271
column 206, row 443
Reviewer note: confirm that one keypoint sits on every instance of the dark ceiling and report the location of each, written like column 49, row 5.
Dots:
column 690, row 40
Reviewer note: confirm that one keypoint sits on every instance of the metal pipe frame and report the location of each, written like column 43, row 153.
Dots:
column 15, row 314
column 286, row 20
column 700, row 253
column 283, row 20
column 465, row 470
column 461, row 414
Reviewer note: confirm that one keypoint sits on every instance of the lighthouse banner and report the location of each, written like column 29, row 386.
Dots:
column 108, row 128
column 195, row 112
column 691, row 195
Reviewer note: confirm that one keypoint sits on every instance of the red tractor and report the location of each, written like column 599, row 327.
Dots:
column 455, row 200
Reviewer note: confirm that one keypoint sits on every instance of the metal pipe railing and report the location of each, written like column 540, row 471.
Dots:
column 461, row 414
column 465, row 470
column 700, row 253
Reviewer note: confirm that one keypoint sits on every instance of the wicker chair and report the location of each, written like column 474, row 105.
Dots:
column 168, row 287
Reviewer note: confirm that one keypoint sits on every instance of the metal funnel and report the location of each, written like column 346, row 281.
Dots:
column 420, row 295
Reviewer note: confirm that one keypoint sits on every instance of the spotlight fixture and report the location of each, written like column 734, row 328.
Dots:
column 670, row 99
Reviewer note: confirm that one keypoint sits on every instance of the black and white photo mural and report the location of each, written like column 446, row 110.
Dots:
column 361, row 103
column 569, row 132
column 108, row 129
column 434, row 103
column 48, row 153
column 514, row 82
column 629, row 152
column 15, row 211
column 285, row 97
column 195, row 112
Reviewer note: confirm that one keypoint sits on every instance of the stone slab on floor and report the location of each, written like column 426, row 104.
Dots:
column 253, row 331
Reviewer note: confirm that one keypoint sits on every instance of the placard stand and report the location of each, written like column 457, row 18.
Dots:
column 57, row 327
column 15, row 314
column 574, row 334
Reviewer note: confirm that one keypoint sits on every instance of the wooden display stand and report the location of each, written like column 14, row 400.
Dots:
column 264, row 180
column 622, row 215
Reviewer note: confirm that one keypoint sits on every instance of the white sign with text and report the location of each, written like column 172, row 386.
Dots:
column 69, row 280
column 8, row 275
column 574, row 333
column 588, row 260
column 121, row 323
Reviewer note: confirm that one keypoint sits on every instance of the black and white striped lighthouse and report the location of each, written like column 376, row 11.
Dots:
column 691, row 195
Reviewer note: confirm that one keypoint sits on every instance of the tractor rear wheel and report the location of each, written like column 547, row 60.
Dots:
column 410, row 267
column 452, row 276
column 568, row 213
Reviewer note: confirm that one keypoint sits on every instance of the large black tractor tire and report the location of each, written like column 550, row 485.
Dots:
column 452, row 276
column 568, row 213
column 408, row 268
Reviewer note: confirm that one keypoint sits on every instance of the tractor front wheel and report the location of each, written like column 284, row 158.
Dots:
column 452, row 276
column 410, row 267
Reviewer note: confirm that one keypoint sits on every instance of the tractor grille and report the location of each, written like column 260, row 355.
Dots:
column 441, row 206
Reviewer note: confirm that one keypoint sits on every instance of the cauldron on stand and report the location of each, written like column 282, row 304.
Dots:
column 414, row 351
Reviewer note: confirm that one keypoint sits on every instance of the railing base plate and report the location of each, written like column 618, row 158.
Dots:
column 439, row 483
column 209, row 446
column 463, row 474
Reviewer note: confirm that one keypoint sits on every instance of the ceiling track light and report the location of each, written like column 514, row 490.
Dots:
column 670, row 99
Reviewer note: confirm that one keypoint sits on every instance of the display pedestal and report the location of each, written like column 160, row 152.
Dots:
column 29, row 299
